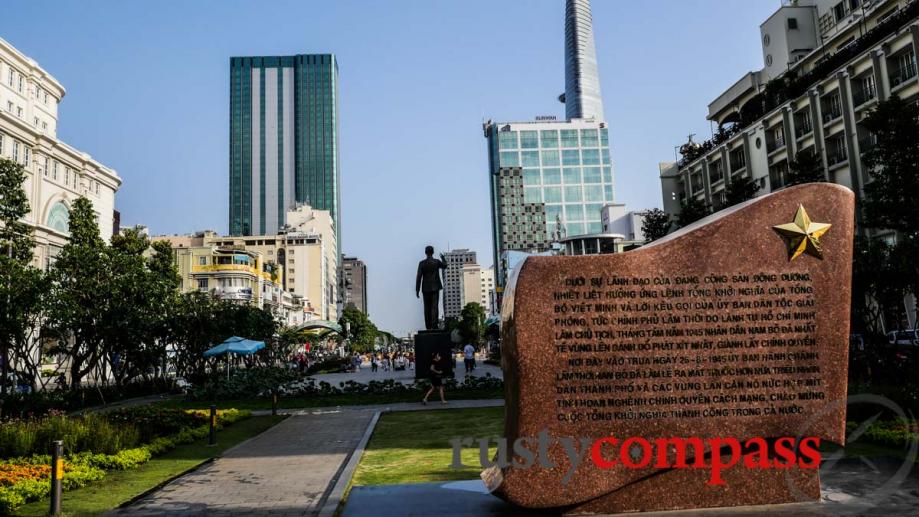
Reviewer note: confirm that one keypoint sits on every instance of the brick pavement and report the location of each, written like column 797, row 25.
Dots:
column 283, row 471
column 287, row 470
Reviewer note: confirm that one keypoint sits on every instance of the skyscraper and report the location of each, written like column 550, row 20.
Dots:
column 582, row 82
column 354, row 273
column 453, row 280
column 283, row 140
column 563, row 167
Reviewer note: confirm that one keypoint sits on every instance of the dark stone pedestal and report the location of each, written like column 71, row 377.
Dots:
column 851, row 486
column 429, row 342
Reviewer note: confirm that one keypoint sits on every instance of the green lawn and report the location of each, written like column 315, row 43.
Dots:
column 413, row 446
column 121, row 486
column 332, row 400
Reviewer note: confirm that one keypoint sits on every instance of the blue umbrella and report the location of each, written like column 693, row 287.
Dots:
column 236, row 345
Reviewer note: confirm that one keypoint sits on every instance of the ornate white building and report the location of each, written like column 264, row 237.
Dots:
column 56, row 173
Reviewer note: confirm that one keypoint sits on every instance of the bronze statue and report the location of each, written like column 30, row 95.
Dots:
column 428, row 283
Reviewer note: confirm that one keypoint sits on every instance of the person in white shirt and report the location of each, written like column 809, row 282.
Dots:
column 469, row 358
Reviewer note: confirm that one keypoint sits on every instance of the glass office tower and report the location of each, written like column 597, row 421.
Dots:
column 283, row 140
column 566, row 168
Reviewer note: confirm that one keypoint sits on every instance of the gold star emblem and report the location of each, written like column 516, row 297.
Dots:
column 803, row 235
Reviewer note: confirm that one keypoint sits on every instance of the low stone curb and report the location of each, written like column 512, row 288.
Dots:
column 330, row 506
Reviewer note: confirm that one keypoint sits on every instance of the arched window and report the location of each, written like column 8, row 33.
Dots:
column 59, row 217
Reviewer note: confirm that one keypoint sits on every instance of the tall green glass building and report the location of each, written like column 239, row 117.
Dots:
column 283, row 140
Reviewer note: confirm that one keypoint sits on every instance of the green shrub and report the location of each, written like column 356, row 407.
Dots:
column 91, row 432
column 39, row 403
column 155, row 421
column 81, row 468
column 243, row 383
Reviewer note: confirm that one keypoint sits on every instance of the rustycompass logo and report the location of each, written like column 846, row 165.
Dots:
column 715, row 454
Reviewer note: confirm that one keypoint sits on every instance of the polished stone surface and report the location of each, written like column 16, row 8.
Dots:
column 853, row 486
column 736, row 326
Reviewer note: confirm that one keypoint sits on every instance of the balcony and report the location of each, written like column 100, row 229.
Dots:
column 831, row 113
column 222, row 268
column 902, row 74
column 775, row 144
column 836, row 155
column 863, row 95
column 803, row 128
column 233, row 293
column 867, row 143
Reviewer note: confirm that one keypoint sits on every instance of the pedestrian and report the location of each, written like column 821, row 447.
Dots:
column 436, row 372
column 411, row 361
column 373, row 364
column 469, row 358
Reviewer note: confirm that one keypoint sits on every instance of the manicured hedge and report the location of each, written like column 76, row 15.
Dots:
column 895, row 433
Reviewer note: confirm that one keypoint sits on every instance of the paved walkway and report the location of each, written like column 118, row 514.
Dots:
column 287, row 470
column 364, row 375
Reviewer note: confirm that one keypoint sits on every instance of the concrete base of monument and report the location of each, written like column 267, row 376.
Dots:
column 427, row 343
column 852, row 486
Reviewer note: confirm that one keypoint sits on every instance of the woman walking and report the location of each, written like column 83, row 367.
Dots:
column 436, row 381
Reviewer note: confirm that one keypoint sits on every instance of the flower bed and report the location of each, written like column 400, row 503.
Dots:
column 27, row 478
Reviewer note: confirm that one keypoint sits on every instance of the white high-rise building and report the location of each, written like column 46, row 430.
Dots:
column 56, row 173
column 453, row 280
column 478, row 285
column 487, row 289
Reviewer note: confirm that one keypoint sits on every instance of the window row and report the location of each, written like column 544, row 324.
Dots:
column 553, row 138
column 16, row 80
column 568, row 194
column 567, row 176
column 18, row 152
column 554, row 158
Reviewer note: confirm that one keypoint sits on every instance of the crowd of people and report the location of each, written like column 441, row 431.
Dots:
column 441, row 365
column 385, row 361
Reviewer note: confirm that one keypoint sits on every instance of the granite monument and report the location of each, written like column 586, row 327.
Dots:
column 724, row 343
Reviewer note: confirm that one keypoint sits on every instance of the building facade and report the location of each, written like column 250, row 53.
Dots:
column 304, row 252
column 56, row 173
column 839, row 60
column 453, row 280
column 237, row 276
column 489, row 301
column 354, row 273
column 478, row 286
column 284, row 134
column 563, row 168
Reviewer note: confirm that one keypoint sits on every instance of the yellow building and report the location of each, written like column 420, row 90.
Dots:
column 238, row 276
column 304, row 252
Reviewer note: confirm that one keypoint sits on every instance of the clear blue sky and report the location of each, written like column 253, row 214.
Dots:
column 148, row 94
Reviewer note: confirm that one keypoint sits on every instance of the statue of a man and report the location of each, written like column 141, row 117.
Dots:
column 428, row 283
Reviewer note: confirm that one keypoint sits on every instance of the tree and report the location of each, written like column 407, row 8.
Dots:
column 16, row 249
column 472, row 323
column 806, row 167
column 891, row 199
column 691, row 211
column 362, row 333
column 655, row 224
column 740, row 190
column 194, row 329
column 80, row 293
column 126, row 326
